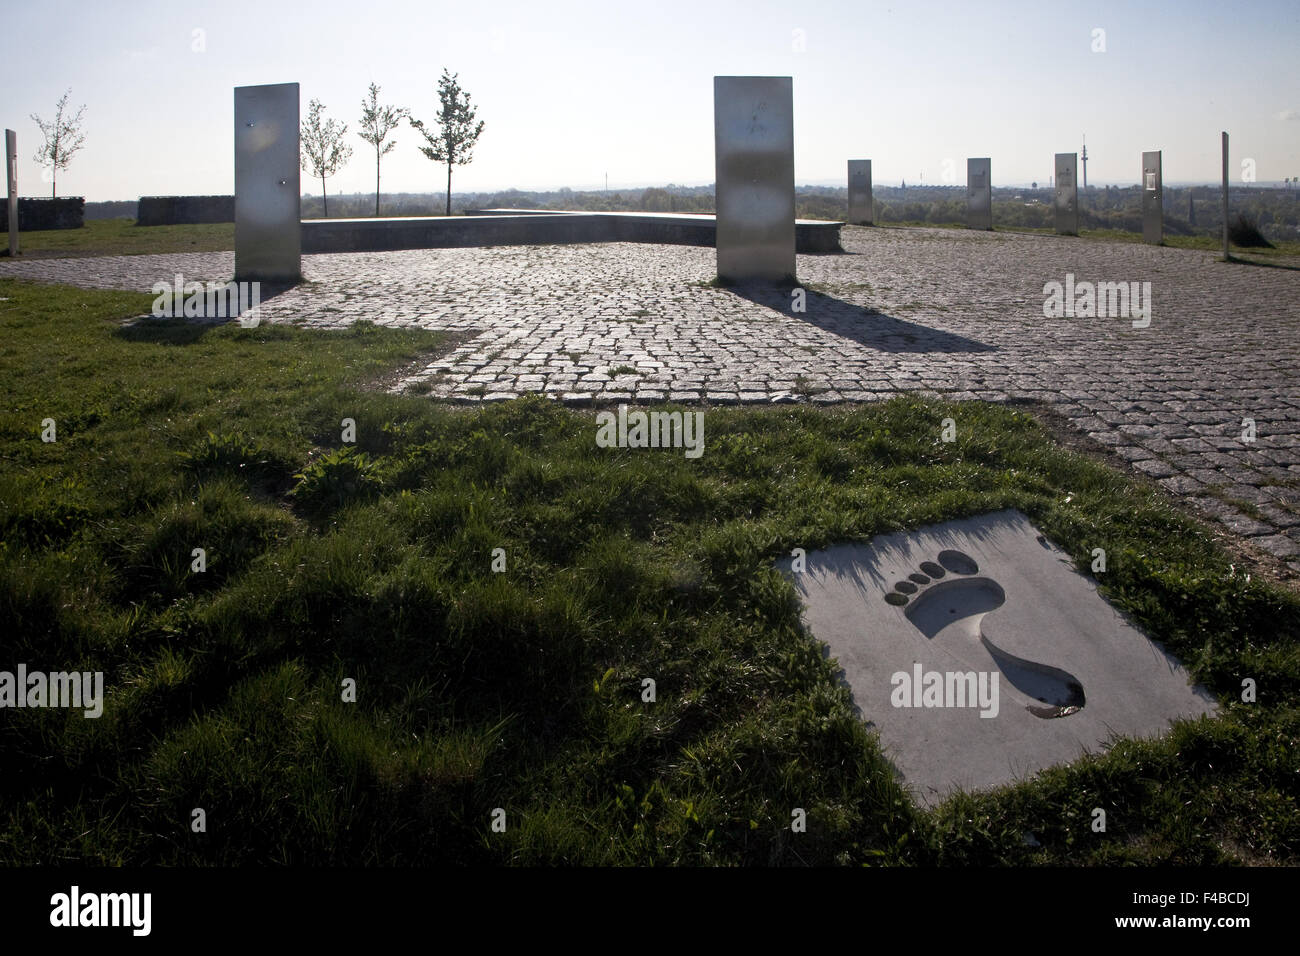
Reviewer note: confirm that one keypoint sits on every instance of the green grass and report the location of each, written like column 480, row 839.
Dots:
column 122, row 237
column 522, row 689
column 1284, row 247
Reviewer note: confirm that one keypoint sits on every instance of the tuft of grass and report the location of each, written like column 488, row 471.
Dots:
column 336, row 478
column 1245, row 233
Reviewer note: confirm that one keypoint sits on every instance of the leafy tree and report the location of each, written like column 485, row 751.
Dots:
column 655, row 199
column 376, row 123
column 456, row 135
column 63, row 138
column 323, row 149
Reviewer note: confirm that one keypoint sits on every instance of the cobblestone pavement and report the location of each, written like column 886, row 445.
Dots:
column 933, row 310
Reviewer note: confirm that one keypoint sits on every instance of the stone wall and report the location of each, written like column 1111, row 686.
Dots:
column 37, row 214
column 176, row 210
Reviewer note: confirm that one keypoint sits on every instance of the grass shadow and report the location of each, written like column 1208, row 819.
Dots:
column 153, row 331
column 188, row 331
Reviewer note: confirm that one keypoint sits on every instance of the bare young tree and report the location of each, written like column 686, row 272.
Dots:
column 63, row 138
column 376, row 123
column 323, row 149
column 456, row 134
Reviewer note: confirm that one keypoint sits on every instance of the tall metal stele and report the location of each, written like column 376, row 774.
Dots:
column 1067, row 194
column 860, row 204
column 1227, row 255
column 11, row 201
column 268, row 195
column 979, row 193
column 1153, row 212
column 753, row 140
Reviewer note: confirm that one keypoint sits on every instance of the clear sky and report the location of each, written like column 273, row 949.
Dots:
column 574, row 91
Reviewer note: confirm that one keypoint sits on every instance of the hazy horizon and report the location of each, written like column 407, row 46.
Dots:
column 617, row 187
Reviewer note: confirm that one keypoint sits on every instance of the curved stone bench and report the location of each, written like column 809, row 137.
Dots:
column 511, row 227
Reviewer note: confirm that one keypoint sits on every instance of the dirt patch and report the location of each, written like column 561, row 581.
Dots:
column 390, row 379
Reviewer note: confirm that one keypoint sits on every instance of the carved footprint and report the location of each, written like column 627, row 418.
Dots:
column 951, row 609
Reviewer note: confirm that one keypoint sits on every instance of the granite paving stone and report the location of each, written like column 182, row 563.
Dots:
column 953, row 313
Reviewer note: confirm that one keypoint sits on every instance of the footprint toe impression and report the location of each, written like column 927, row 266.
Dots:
column 958, row 562
column 933, row 602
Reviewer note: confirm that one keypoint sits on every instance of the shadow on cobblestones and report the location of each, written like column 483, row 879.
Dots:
column 1238, row 261
column 874, row 329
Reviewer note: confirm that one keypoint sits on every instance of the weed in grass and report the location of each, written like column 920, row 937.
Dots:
column 336, row 478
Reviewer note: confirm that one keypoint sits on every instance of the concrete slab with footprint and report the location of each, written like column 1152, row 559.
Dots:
column 985, row 606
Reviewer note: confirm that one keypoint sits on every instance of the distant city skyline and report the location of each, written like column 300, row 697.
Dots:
column 572, row 92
